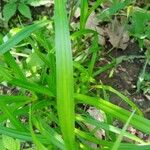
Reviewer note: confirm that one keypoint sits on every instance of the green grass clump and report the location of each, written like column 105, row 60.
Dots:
column 55, row 81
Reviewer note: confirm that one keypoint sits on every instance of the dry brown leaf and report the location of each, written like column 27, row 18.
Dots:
column 101, row 36
column 98, row 115
column 92, row 23
column 77, row 13
column 118, row 36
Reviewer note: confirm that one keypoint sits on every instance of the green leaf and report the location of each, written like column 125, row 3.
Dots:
column 84, row 12
column 10, row 143
column 120, row 137
column 1, row 144
column 64, row 75
column 116, row 7
column 24, row 10
column 12, row 99
column 5, row 74
column 37, row 142
column 142, row 76
column 13, row 1
column 139, row 22
column 9, row 10
column 10, row 60
column 34, row 61
column 14, row 120
column 107, row 127
column 21, row 35
column 107, row 145
column 49, row 133
column 32, row 87
column 137, row 121
column 123, row 97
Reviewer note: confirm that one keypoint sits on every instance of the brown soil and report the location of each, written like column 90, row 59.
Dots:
column 125, row 78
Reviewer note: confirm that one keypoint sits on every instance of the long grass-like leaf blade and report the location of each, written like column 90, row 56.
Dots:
column 64, row 75
column 21, row 35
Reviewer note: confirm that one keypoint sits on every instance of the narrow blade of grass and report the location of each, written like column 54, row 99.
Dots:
column 107, row 145
column 21, row 35
column 137, row 121
column 50, row 134
column 97, row 3
column 126, row 99
column 37, row 142
column 32, row 86
column 15, row 122
column 119, row 139
column 64, row 73
column 105, row 68
column 14, row 66
column 84, row 11
column 141, row 76
column 13, row 99
column 107, row 127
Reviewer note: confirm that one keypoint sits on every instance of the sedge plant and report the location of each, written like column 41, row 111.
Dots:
column 47, row 108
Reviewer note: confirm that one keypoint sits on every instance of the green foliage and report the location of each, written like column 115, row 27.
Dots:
column 56, row 81
column 64, row 75
column 9, row 10
column 115, row 8
column 120, row 137
column 139, row 23
column 10, row 143
column 24, row 10
column 11, row 7
column 139, row 28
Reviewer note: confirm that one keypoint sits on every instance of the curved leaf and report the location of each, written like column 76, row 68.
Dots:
column 24, row 10
column 9, row 10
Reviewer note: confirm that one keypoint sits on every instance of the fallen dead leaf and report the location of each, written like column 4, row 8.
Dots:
column 92, row 23
column 98, row 115
column 77, row 13
column 117, row 34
